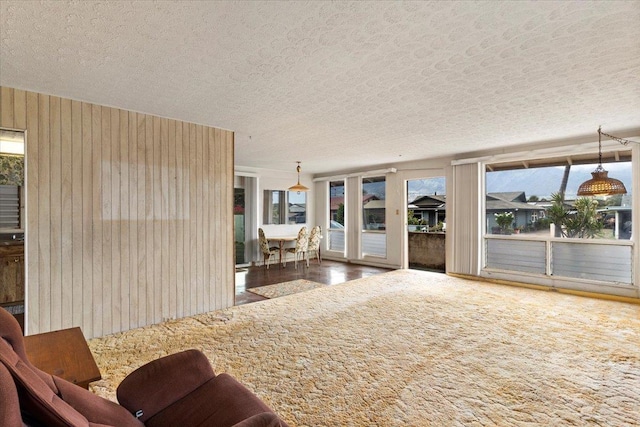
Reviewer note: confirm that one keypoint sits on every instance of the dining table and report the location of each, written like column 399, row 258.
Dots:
column 281, row 241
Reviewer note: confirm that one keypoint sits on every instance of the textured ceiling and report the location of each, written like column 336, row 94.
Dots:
column 340, row 85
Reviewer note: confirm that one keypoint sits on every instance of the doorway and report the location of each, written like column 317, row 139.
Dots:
column 239, row 225
column 426, row 223
column 12, row 223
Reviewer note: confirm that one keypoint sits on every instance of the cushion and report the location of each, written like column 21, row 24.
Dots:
column 221, row 402
column 9, row 403
column 161, row 382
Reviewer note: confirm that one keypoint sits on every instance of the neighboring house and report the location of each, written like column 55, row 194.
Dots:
column 618, row 218
column 297, row 214
column 515, row 202
column 430, row 208
column 374, row 213
column 338, row 201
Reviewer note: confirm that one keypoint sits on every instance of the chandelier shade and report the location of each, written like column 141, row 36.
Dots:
column 600, row 184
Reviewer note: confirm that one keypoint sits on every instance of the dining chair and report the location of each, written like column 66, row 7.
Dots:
column 300, row 250
column 314, row 243
column 267, row 251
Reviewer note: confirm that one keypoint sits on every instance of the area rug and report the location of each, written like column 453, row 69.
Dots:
column 413, row 348
column 285, row 288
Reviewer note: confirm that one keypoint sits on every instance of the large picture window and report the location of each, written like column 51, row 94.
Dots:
column 535, row 222
column 542, row 200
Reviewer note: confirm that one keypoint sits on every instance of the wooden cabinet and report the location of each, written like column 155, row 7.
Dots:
column 11, row 273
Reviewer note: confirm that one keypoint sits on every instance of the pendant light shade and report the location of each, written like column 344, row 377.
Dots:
column 298, row 187
column 600, row 184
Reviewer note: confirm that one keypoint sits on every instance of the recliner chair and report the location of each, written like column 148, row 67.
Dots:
column 177, row 390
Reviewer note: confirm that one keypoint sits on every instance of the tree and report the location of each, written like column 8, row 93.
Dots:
column 585, row 222
column 615, row 200
column 340, row 214
column 412, row 220
column 534, row 198
column 581, row 222
column 504, row 221
column 565, row 179
column 558, row 213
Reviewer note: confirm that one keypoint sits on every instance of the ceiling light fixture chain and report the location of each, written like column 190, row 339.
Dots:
column 615, row 138
column 601, row 184
column 600, row 147
column 298, row 187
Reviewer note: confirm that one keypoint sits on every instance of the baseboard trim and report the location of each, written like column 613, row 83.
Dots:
column 586, row 294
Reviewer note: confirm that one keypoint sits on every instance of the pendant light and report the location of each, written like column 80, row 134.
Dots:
column 298, row 187
column 601, row 184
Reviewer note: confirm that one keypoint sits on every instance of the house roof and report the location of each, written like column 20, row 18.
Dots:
column 434, row 200
column 505, row 201
column 335, row 202
column 510, row 196
column 502, row 205
column 509, row 201
column 375, row 204
column 341, row 86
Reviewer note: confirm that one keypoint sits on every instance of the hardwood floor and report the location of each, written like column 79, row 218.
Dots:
column 329, row 273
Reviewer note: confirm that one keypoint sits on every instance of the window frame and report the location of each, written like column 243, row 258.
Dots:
column 590, row 284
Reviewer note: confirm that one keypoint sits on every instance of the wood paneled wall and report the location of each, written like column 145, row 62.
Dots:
column 129, row 216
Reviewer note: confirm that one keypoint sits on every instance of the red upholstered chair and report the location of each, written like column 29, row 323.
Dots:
column 177, row 390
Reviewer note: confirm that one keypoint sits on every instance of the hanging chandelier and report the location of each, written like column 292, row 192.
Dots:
column 298, row 187
column 600, row 184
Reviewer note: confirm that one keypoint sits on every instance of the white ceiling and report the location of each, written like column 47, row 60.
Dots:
column 340, row 85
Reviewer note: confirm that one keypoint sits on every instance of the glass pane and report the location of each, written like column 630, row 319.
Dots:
column 284, row 207
column 374, row 224
column 238, row 219
column 336, row 205
column 336, row 240
column 608, row 262
column 374, row 244
column 297, row 213
column 373, row 203
column 531, row 200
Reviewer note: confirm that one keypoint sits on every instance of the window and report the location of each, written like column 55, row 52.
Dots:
column 530, row 201
column 284, row 207
column 9, row 207
column 336, row 216
column 566, row 236
column 374, row 238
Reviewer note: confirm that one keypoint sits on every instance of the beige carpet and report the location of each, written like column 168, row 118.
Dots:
column 411, row 348
column 285, row 288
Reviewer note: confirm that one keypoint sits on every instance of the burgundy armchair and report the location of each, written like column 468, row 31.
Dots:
column 177, row 390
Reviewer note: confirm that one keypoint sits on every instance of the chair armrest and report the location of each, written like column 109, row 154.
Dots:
column 65, row 354
column 156, row 385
